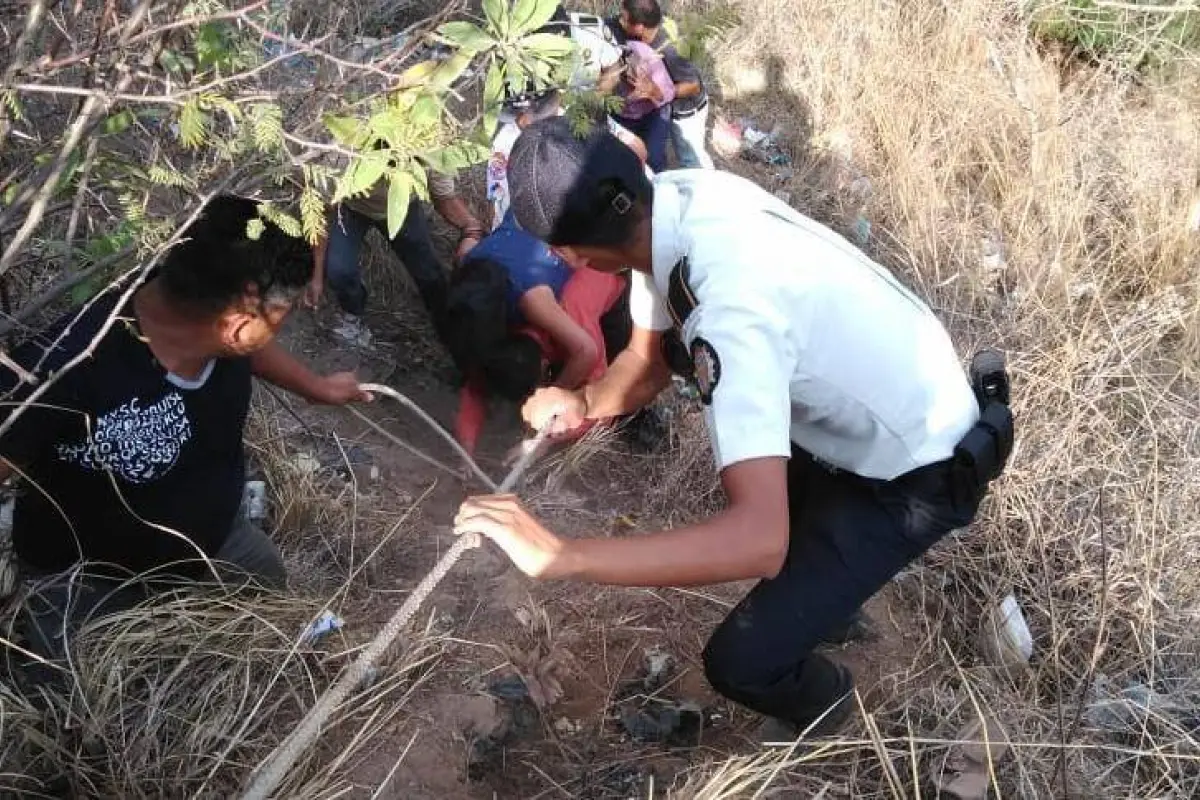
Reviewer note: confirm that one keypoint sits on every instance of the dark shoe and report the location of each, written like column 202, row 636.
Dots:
column 831, row 681
column 859, row 628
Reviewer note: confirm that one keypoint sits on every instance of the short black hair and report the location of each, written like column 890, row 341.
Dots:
column 216, row 264
column 478, row 333
column 643, row 12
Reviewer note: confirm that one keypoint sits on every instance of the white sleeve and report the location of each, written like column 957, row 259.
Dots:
column 646, row 306
column 749, row 369
column 497, row 171
column 607, row 54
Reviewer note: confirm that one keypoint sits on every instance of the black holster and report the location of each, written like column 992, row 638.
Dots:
column 981, row 455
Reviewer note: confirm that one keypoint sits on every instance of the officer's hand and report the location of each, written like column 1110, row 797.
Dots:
column 534, row 550
column 569, row 407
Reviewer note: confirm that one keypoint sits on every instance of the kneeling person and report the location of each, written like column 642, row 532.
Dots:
column 132, row 461
column 847, row 434
column 519, row 317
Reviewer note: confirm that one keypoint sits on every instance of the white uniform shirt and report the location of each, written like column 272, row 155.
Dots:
column 816, row 344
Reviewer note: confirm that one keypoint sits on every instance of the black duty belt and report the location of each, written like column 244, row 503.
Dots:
column 982, row 454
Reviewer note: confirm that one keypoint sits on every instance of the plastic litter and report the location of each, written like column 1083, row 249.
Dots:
column 1005, row 637
column 326, row 623
column 743, row 138
column 1130, row 709
column 254, row 500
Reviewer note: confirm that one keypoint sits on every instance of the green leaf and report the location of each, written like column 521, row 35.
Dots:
column 547, row 45
column 418, row 74
column 426, row 112
column 529, row 15
column 166, row 176
column 466, row 36
column 255, row 228
column 450, row 70
column 457, row 156
column 193, row 124
column 10, row 193
column 367, row 171
column 493, row 86
column 10, row 101
column 119, row 122
column 420, row 182
column 312, row 214
column 281, row 219
column 516, row 76
column 175, row 62
column 267, row 121
column 212, row 49
column 399, row 193
column 497, row 17
column 346, row 130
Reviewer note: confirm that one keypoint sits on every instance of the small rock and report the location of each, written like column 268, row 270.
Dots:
column 306, row 463
column 365, row 473
column 659, row 663
column 966, row 772
column 567, row 727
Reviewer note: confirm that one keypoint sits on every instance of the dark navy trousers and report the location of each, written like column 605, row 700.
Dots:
column 849, row 536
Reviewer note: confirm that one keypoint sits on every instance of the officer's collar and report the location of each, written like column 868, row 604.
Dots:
column 667, row 244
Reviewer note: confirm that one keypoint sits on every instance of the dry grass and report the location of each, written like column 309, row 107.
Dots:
column 1043, row 207
column 183, row 697
column 1040, row 206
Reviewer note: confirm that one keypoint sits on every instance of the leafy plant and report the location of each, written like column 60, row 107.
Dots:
column 209, row 108
column 692, row 33
column 1135, row 35
column 518, row 58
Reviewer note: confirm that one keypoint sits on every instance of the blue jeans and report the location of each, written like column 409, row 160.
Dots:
column 849, row 536
column 412, row 245
column 654, row 130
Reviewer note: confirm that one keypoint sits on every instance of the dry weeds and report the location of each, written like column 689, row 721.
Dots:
column 1041, row 206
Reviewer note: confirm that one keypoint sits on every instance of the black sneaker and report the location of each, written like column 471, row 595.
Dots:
column 824, row 718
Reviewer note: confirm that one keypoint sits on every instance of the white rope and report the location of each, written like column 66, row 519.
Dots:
column 271, row 771
column 387, row 391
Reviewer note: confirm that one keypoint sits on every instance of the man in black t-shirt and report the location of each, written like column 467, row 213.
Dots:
column 132, row 461
column 642, row 20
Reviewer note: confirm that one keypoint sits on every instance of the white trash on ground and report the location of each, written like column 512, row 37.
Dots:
column 1004, row 636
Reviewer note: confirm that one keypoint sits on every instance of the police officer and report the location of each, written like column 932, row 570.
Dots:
column 847, row 434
